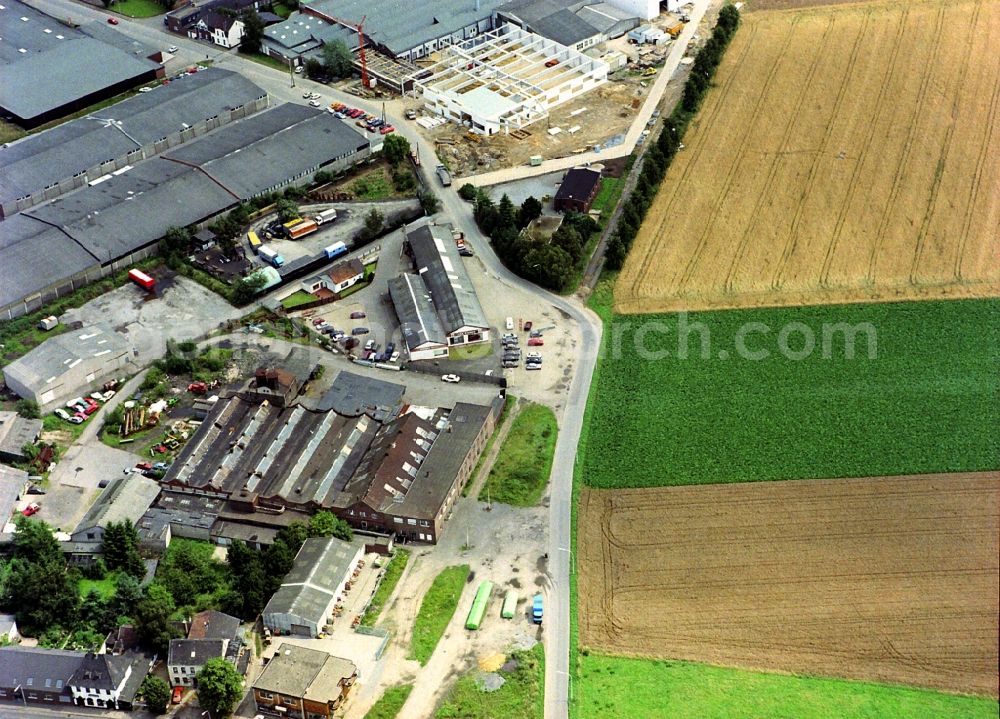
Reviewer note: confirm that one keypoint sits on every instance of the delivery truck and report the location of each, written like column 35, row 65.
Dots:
column 335, row 250
column 142, row 279
column 270, row 256
column 306, row 227
column 325, row 216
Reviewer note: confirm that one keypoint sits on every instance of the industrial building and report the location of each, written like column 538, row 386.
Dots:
column 65, row 365
column 13, row 484
column 578, row 24
column 304, row 603
column 125, row 499
column 460, row 319
column 304, row 683
column 578, row 189
column 119, row 218
column 51, row 69
column 507, row 79
column 38, row 167
column 15, row 432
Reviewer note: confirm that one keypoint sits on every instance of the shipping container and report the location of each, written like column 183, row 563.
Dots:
column 479, row 605
column 509, row 605
column 254, row 241
column 306, row 227
column 335, row 250
column 142, row 279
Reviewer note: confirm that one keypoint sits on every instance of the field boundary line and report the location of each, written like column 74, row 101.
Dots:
column 838, row 228
column 991, row 122
column 945, row 148
column 709, row 121
column 727, row 286
column 904, row 156
column 792, row 242
column 741, row 152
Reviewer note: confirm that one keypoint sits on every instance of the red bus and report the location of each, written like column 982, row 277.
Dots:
column 142, row 279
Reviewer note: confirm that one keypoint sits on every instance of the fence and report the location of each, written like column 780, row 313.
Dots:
column 375, row 632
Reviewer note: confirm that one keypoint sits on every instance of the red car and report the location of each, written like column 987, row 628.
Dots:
column 144, row 465
column 112, row 21
column 31, row 509
column 178, row 693
column 536, row 342
column 197, row 388
column 527, row 326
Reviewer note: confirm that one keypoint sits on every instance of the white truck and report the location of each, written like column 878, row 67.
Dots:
column 325, row 216
column 270, row 256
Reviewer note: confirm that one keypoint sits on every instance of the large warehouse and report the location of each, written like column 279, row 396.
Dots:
column 507, row 79
column 305, row 601
column 50, row 69
column 65, row 365
column 118, row 218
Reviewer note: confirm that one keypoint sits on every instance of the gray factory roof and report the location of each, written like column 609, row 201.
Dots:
column 17, row 431
column 565, row 27
column 44, row 81
column 441, row 267
column 321, row 567
column 40, row 160
column 401, row 26
column 604, row 16
column 301, row 33
column 254, row 155
column 126, row 498
column 417, row 316
column 58, row 354
column 354, row 394
column 437, row 472
column 22, row 241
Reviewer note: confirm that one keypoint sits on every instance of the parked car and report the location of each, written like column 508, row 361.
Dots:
column 465, row 251
column 77, row 419
column 35, row 489
column 358, row 315
column 395, row 356
column 510, row 364
column 360, row 331
column 112, row 21
column 160, row 465
column 536, row 342
column 32, row 508
column 298, row 71
column 533, row 365
column 314, row 103
column 527, row 326
column 534, row 355
column 386, row 130
column 535, row 333
column 109, row 394
column 179, row 691
column 370, row 345
column 510, row 323
column 61, row 413
column 450, row 378
column 172, row 49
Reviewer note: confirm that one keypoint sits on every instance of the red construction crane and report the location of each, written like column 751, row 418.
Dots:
column 360, row 28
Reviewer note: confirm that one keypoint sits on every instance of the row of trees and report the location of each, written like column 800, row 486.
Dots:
column 659, row 155
column 552, row 263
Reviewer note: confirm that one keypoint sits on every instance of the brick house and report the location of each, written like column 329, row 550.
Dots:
column 578, row 190
column 303, row 683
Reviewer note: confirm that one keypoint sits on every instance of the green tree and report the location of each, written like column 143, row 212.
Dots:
column 374, row 222
column 429, row 202
column 530, row 209
column 246, row 288
column 506, row 214
column 314, row 68
column 326, row 524
column 34, row 541
column 550, row 266
column 337, row 59
column 120, row 547
column 220, row 686
column 287, row 210
column 467, row 192
column 95, row 612
column 293, row 535
column 615, row 255
column 152, row 618
column 248, row 597
column 28, row 408
column 569, row 239
column 128, row 593
column 253, row 33
column 177, row 240
column 156, row 692
column 395, row 148
column 39, row 589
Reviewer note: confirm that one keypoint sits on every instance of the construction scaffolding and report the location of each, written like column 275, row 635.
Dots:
column 506, row 79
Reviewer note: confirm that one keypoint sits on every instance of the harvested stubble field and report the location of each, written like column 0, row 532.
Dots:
column 848, row 153
column 891, row 579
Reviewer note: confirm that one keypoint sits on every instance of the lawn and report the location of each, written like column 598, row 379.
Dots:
column 10, row 132
column 522, row 468
column 106, row 586
column 508, row 406
column 923, row 401
column 607, row 197
column 648, row 689
column 138, row 8
column 298, row 298
column 389, row 704
column 393, row 572
column 436, row 609
column 521, row 697
column 281, row 10
column 476, row 351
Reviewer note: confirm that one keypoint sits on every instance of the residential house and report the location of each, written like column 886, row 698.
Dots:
column 55, row 677
column 346, row 274
column 303, row 683
column 108, row 681
column 8, row 629
column 221, row 28
column 210, row 635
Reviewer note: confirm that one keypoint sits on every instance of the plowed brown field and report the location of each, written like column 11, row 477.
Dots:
column 889, row 579
column 848, row 153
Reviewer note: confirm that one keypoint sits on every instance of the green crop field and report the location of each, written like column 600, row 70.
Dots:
column 648, row 689
column 920, row 399
column 389, row 704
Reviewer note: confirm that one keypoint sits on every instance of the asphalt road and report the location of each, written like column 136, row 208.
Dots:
column 286, row 88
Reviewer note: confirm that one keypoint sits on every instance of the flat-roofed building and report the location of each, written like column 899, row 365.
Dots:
column 303, row 683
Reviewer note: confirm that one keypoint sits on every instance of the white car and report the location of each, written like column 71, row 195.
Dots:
column 172, row 49
column 298, row 70
column 450, row 378
column 395, row 356
column 145, row 89
column 510, row 323
column 314, row 103
column 315, row 95
column 306, row 95
column 61, row 413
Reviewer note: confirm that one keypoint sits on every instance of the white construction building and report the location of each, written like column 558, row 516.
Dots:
column 507, row 79
column 646, row 9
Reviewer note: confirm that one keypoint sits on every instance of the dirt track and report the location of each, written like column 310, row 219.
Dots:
column 846, row 154
column 889, row 579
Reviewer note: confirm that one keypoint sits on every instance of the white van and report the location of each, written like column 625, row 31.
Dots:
column 510, row 323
